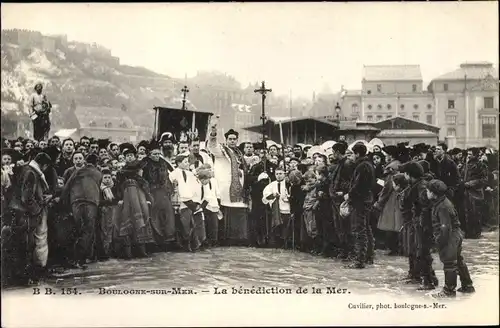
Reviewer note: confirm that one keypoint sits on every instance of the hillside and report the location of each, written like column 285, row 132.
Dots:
column 85, row 79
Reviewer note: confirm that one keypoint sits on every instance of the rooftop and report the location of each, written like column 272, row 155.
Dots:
column 473, row 71
column 392, row 73
column 406, row 133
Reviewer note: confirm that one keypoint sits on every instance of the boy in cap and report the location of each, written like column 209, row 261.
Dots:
column 448, row 237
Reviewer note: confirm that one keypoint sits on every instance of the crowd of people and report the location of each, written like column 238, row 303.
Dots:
column 68, row 203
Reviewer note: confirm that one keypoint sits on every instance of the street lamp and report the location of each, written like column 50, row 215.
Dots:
column 337, row 115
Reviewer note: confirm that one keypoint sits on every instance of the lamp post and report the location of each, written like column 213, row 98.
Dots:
column 337, row 115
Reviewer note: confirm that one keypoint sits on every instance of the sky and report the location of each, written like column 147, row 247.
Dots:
column 297, row 47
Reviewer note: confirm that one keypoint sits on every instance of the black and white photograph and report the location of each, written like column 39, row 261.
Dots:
column 249, row 164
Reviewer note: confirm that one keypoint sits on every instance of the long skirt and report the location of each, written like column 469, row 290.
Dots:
column 233, row 228
column 162, row 216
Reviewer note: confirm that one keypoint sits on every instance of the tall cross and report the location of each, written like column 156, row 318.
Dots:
column 184, row 90
column 263, row 91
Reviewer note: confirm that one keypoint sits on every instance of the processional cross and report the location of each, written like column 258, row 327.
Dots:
column 263, row 91
column 184, row 90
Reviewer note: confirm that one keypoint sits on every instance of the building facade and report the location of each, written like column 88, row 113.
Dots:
column 389, row 91
column 466, row 103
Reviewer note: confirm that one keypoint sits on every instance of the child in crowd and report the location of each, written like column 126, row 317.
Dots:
column 276, row 195
column 211, row 212
column 105, row 224
column 309, row 231
column 448, row 237
column 186, row 183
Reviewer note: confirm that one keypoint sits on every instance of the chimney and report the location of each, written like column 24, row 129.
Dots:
column 314, row 97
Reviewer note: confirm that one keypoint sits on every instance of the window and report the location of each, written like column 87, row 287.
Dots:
column 429, row 106
column 489, row 126
column 379, row 107
column 428, row 119
column 415, row 106
column 388, row 116
column 389, row 107
column 369, row 106
column 416, row 117
column 379, row 117
column 369, row 92
column 402, row 114
column 451, row 119
column 451, row 104
column 488, row 102
column 402, row 107
column 355, row 108
column 445, row 87
column 369, row 118
column 379, row 87
column 451, row 132
column 414, row 87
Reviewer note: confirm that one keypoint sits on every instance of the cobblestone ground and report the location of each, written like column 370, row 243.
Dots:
column 247, row 267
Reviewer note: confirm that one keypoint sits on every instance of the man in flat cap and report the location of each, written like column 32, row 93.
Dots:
column 230, row 171
column 360, row 197
column 340, row 175
column 40, row 110
column 445, row 169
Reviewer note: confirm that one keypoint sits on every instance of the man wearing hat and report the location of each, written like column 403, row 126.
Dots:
column 360, row 197
column 167, row 144
column 445, row 169
column 29, row 222
column 230, row 171
column 475, row 179
column 416, row 211
column 156, row 173
column 448, row 237
column 340, row 175
column 40, row 110
column 129, row 152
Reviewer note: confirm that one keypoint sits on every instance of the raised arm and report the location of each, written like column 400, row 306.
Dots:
column 213, row 145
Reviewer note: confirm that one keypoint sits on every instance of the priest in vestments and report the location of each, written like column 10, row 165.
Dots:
column 230, row 169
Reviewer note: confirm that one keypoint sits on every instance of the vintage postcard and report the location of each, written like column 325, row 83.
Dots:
column 249, row 164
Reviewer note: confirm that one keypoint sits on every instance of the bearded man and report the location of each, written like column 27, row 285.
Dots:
column 230, row 169
column 168, row 150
